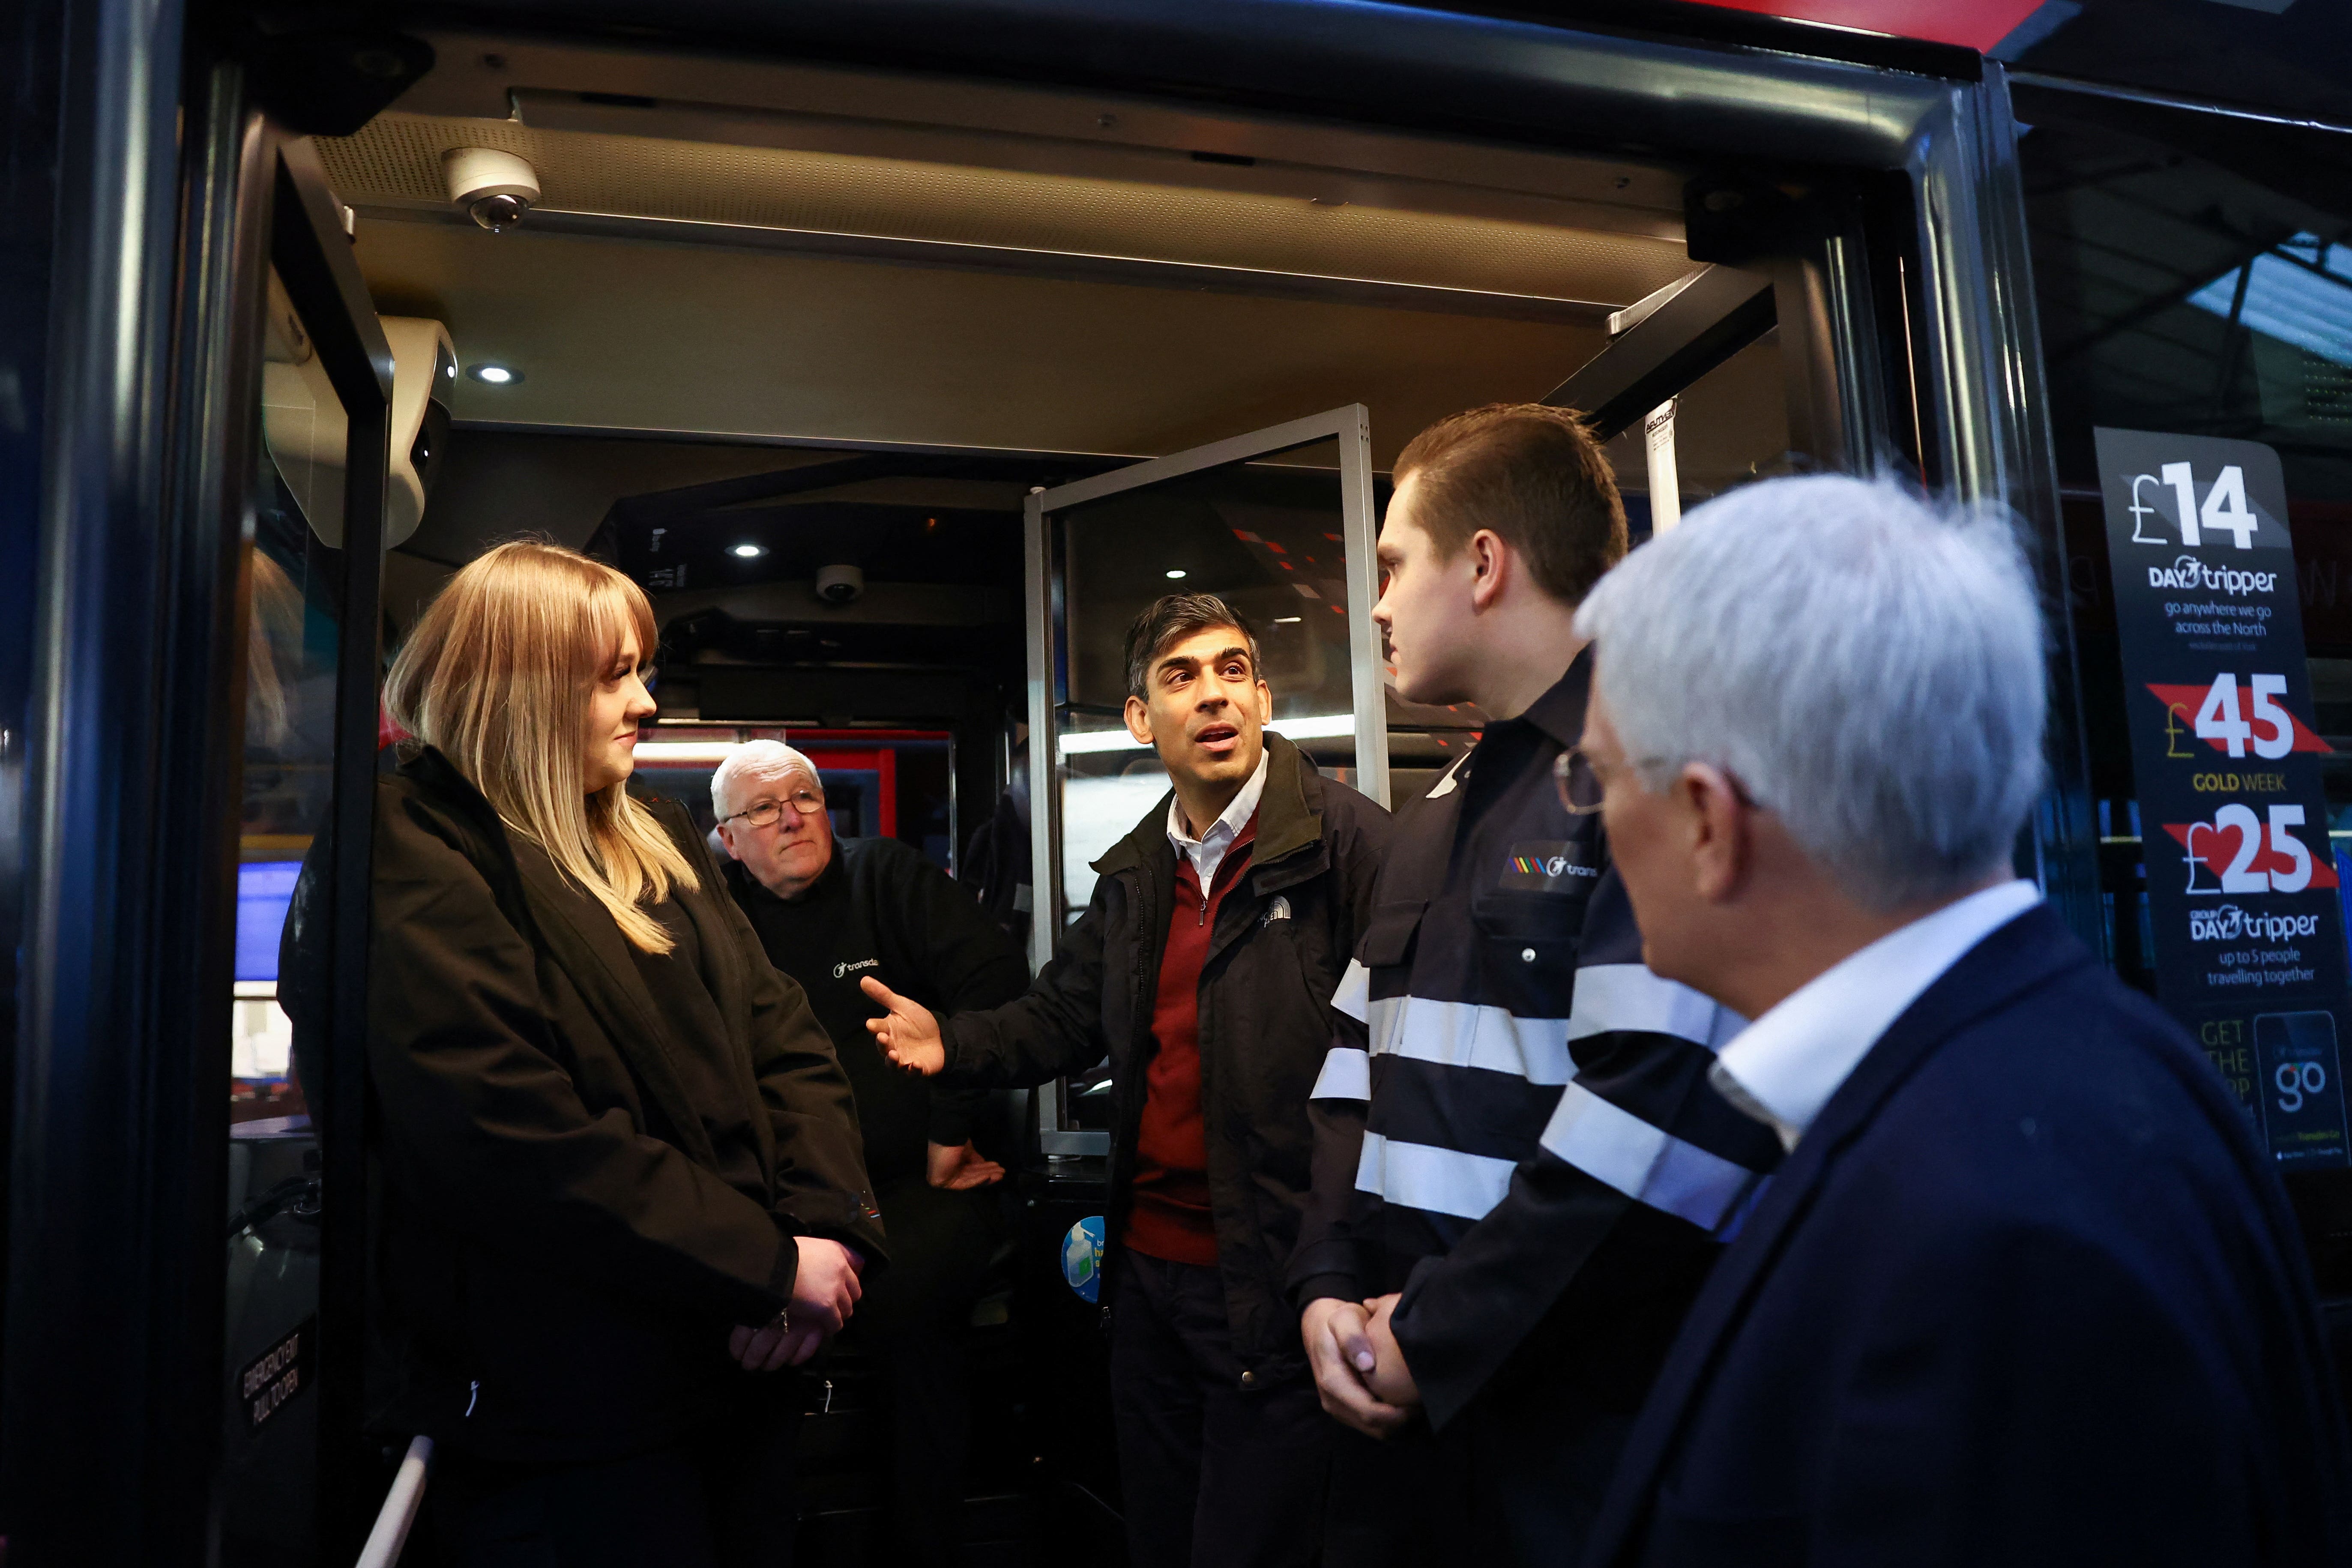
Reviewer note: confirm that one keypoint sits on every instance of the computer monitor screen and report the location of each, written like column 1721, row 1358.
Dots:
column 264, row 890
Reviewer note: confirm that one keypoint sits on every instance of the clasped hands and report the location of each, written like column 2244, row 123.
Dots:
column 1359, row 1371
column 825, row 1288
column 824, row 1292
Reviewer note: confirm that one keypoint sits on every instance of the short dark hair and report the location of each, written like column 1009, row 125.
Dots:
column 1171, row 618
column 1533, row 475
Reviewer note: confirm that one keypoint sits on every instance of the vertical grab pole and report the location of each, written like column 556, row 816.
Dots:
column 1364, row 663
column 1045, row 885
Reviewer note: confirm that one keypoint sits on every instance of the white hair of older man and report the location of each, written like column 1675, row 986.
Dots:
column 1868, row 664
column 754, row 761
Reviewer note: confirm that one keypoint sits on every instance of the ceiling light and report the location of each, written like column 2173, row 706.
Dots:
column 1175, row 572
column 496, row 374
column 1286, row 620
column 748, row 551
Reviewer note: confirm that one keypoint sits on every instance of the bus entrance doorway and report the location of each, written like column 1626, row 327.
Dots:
column 897, row 385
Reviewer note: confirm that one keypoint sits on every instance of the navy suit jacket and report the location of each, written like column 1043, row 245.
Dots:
column 2027, row 1291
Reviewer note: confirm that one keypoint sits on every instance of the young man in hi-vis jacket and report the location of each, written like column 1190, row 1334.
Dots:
column 1521, row 1185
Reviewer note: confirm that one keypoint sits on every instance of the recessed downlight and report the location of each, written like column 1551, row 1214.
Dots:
column 748, row 552
column 1174, row 572
column 491, row 374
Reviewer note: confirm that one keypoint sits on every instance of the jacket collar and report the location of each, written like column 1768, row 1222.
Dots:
column 580, row 936
column 1287, row 821
column 1559, row 712
column 2027, row 953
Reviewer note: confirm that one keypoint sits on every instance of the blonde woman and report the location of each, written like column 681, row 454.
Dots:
column 621, row 1169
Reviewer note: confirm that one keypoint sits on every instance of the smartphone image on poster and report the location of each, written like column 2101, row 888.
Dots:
column 2298, row 1080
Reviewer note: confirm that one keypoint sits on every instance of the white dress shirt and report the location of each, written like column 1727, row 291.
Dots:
column 1783, row 1067
column 1208, row 851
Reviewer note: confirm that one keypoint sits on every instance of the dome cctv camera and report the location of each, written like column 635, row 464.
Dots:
column 496, row 188
column 840, row 584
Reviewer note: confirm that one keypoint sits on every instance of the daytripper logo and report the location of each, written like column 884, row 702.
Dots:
column 2224, row 511
column 2191, row 574
column 2230, row 924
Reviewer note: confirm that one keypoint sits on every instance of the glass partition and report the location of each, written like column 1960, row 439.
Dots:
column 1279, row 524
column 292, row 588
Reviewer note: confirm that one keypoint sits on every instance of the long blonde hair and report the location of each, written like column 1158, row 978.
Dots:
column 496, row 676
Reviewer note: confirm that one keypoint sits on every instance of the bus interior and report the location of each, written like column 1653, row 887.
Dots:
column 811, row 351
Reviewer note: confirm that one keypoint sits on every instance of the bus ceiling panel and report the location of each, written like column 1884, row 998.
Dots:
column 617, row 335
column 1257, row 157
column 955, row 214
column 1148, row 272
column 1512, row 79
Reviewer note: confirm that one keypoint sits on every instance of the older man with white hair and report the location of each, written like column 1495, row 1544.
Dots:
column 831, row 911
column 2026, row 1289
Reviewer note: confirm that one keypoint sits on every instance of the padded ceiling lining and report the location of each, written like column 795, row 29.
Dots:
column 397, row 159
column 619, row 334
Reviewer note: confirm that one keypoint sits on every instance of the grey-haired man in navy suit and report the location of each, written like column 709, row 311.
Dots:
column 2025, row 1289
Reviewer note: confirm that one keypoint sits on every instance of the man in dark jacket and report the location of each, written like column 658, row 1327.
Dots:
column 2026, row 1289
column 830, row 912
column 1205, row 966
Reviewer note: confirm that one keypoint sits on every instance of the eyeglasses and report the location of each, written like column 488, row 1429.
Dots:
column 804, row 801
column 1579, row 787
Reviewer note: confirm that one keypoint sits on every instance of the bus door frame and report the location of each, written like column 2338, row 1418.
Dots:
column 314, row 256
column 114, row 1378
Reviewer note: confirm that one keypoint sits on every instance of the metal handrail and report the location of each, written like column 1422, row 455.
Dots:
column 400, row 1506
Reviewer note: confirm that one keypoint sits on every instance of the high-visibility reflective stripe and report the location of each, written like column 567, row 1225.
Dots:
column 1646, row 1163
column 1610, row 997
column 1354, row 996
column 1422, row 1177
column 1346, row 1075
column 1466, row 1035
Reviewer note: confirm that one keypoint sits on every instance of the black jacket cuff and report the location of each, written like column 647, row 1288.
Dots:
column 951, row 1125
column 1325, row 1287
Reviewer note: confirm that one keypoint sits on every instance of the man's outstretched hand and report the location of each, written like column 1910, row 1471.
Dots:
column 908, row 1033
column 1339, row 1348
column 959, row 1167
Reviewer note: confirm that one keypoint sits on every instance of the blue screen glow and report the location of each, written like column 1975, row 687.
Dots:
column 264, row 890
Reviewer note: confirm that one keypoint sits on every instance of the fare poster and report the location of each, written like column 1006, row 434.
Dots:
column 2241, row 883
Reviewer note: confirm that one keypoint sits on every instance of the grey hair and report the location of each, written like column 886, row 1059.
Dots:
column 1868, row 664
column 757, row 760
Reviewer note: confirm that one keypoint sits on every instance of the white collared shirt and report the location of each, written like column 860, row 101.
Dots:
column 1783, row 1067
column 1208, row 851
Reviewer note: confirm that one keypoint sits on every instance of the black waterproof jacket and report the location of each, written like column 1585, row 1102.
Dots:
column 880, row 909
column 557, row 1257
column 1283, row 936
